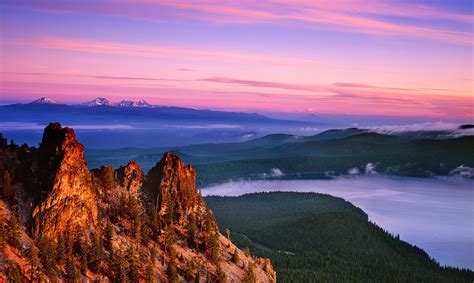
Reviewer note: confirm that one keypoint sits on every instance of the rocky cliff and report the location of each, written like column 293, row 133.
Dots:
column 66, row 182
column 65, row 223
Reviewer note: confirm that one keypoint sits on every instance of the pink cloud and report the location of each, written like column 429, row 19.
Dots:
column 370, row 17
column 332, row 99
column 151, row 51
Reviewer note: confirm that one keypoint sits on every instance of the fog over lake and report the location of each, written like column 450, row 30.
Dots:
column 436, row 214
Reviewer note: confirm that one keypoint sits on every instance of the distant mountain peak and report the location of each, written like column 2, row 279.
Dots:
column 45, row 100
column 131, row 103
column 99, row 101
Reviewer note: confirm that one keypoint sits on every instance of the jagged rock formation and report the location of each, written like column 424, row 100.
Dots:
column 70, row 200
column 109, row 225
column 130, row 177
column 172, row 186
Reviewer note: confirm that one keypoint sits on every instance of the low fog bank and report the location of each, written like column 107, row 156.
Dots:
column 436, row 214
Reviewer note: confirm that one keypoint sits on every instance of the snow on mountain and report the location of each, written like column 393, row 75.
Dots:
column 45, row 100
column 131, row 103
column 99, row 101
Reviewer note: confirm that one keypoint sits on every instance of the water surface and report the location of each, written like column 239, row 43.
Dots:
column 436, row 214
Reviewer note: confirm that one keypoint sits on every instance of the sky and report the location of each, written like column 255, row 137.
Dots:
column 385, row 58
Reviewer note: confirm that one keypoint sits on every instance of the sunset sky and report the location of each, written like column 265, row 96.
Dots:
column 395, row 58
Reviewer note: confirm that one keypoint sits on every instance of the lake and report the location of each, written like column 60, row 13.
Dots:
column 436, row 214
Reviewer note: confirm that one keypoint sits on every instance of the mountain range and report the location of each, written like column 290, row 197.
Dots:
column 103, row 124
column 99, row 101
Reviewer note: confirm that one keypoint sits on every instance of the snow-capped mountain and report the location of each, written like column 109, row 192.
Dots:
column 99, row 101
column 45, row 100
column 131, row 103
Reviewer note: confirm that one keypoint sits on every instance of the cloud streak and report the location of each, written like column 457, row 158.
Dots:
column 378, row 18
column 152, row 51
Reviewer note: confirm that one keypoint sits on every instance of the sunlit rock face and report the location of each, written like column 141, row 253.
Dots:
column 161, row 216
column 130, row 177
column 172, row 183
column 65, row 181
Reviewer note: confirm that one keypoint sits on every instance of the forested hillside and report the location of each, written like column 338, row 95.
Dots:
column 319, row 238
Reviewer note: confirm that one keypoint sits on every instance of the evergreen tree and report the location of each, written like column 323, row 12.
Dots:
column 3, row 140
column 71, row 270
column 35, row 264
column 250, row 275
column 168, row 203
column 191, row 231
column 48, row 257
column 109, row 236
column 209, row 278
column 84, row 263
column 8, row 193
column 153, row 254
column 169, row 237
column 96, row 253
column 235, row 256
column 227, row 232
column 246, row 251
column 3, row 234
column 149, row 273
column 14, row 275
column 172, row 271
column 132, row 265
column 221, row 278
column 213, row 247
column 189, row 273
column 120, row 267
column 155, row 224
column 78, row 241
column 14, row 231
column 60, row 249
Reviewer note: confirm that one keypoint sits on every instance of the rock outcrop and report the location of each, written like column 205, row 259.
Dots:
column 110, row 225
column 130, row 177
column 172, row 187
column 69, row 199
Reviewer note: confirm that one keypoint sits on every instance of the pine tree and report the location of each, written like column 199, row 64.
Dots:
column 84, row 263
column 172, row 271
column 35, row 264
column 249, row 275
column 3, row 234
column 8, row 193
column 60, row 249
column 235, row 256
column 149, row 273
column 109, row 236
column 227, row 232
column 14, row 273
column 132, row 259
column 189, row 274
column 71, row 270
column 221, row 278
column 120, row 267
column 78, row 241
column 246, row 251
column 170, row 237
column 155, row 224
column 48, row 257
column 209, row 278
column 95, row 254
column 170, row 209
column 191, row 231
column 213, row 247
column 14, row 231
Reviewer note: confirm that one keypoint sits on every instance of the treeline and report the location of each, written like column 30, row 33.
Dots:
column 318, row 238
